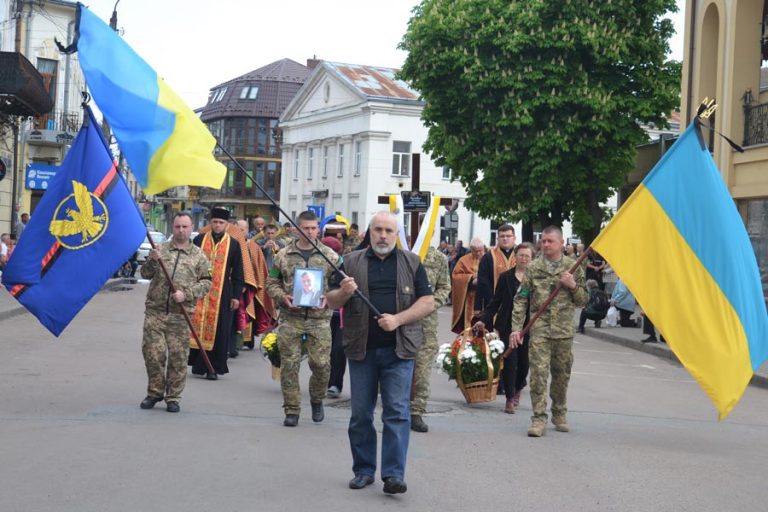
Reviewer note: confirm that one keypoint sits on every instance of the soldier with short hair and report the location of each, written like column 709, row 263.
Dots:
column 166, row 332
column 299, row 325
column 552, row 335
column 436, row 265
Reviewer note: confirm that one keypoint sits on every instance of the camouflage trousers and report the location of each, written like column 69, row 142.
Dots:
column 555, row 356
column 165, row 347
column 289, row 340
column 422, row 372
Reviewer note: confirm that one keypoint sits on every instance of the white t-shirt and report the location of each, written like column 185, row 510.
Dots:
column 3, row 249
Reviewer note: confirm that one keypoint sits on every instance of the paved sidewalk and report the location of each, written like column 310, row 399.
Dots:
column 630, row 337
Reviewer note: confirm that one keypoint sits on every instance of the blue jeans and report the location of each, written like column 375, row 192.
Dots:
column 381, row 367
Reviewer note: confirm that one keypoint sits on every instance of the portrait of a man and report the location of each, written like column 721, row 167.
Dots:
column 307, row 287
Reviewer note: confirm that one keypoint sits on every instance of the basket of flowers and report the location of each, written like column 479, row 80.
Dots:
column 474, row 361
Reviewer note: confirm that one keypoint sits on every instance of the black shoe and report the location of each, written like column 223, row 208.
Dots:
column 291, row 420
column 150, row 402
column 650, row 339
column 360, row 481
column 393, row 485
column 581, row 330
column 318, row 414
column 233, row 354
column 173, row 407
column 211, row 376
column 418, row 425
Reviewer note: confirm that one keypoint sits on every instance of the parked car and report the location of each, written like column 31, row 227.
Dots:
column 144, row 248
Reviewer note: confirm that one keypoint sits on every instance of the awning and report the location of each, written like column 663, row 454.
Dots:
column 22, row 92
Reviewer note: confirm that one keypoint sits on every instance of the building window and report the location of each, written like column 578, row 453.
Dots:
column 296, row 164
column 341, row 161
column 358, row 158
column 218, row 95
column 757, row 228
column 401, row 158
column 446, row 172
column 310, row 162
column 249, row 93
column 354, row 218
column 325, row 162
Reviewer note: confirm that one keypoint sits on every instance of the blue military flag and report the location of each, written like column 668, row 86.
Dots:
column 85, row 226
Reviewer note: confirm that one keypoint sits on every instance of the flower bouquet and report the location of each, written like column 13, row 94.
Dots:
column 272, row 352
column 474, row 361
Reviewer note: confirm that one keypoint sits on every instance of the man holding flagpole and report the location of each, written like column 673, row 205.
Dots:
column 166, row 333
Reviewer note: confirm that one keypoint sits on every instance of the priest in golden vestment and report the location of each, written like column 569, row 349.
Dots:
column 464, row 286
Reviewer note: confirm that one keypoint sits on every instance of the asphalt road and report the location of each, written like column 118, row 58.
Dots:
column 644, row 436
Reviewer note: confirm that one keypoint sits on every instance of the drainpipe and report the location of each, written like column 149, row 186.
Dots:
column 691, row 48
column 66, row 69
column 28, row 33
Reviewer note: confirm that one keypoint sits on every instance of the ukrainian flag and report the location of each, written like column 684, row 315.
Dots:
column 681, row 247
column 165, row 143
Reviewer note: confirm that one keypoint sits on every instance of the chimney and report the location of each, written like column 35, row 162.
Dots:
column 313, row 62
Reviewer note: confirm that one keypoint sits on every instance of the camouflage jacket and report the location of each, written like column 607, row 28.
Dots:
column 436, row 265
column 280, row 280
column 190, row 271
column 351, row 243
column 539, row 281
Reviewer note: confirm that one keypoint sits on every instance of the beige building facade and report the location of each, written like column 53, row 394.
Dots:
column 725, row 58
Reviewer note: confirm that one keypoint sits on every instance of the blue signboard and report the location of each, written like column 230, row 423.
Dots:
column 38, row 175
column 317, row 209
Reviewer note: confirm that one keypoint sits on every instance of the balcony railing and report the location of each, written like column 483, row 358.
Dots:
column 756, row 124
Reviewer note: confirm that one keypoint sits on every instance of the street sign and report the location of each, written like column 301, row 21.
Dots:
column 38, row 175
column 416, row 201
column 318, row 210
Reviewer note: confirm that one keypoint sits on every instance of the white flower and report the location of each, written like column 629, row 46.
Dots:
column 444, row 348
column 468, row 354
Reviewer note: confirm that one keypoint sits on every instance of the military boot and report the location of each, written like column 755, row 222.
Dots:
column 560, row 423
column 538, row 429
column 418, row 425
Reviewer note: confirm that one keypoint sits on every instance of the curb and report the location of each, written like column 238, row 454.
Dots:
column 110, row 285
column 660, row 350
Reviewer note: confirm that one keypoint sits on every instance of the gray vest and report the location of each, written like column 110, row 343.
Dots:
column 409, row 337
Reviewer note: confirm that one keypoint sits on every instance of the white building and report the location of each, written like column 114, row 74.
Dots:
column 348, row 137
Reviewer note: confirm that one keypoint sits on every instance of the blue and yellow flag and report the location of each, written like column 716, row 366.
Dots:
column 85, row 226
column 682, row 248
column 164, row 142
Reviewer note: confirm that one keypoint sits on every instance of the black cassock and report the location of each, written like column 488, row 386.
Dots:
column 232, row 287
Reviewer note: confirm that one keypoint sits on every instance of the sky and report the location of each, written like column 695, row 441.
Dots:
column 197, row 44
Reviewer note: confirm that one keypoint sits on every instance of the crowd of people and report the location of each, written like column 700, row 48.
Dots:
column 362, row 304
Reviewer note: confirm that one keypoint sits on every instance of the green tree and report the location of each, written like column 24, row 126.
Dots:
column 535, row 104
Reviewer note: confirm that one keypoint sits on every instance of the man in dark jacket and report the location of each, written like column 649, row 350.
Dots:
column 381, row 349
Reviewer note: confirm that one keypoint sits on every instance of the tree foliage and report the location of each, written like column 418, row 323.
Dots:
column 535, row 104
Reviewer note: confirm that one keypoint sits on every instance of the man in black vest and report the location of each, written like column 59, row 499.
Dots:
column 381, row 349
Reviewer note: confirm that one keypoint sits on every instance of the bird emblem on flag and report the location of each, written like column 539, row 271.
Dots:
column 80, row 219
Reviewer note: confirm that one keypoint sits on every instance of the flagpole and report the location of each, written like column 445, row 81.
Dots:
column 311, row 242
column 549, row 300
column 207, row 361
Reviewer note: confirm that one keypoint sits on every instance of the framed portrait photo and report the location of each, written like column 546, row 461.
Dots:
column 307, row 287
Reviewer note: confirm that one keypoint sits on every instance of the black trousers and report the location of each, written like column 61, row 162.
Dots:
column 514, row 375
column 624, row 318
column 338, row 359
column 590, row 316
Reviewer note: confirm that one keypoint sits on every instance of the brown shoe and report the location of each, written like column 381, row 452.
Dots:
column 561, row 424
column 538, row 429
column 509, row 408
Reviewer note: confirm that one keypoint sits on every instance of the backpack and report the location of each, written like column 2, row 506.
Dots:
column 598, row 301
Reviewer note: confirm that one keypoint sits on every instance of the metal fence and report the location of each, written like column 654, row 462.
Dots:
column 756, row 124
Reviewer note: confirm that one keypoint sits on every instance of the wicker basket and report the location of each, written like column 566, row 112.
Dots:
column 480, row 391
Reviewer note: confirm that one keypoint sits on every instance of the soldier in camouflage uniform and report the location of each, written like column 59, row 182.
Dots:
column 436, row 265
column 552, row 335
column 166, row 332
column 299, row 325
column 353, row 240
